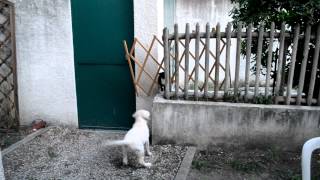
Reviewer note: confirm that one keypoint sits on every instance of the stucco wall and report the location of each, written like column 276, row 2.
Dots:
column 45, row 62
column 206, row 123
column 148, row 21
column 212, row 12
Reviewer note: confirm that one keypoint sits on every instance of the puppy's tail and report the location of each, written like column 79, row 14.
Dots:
column 117, row 143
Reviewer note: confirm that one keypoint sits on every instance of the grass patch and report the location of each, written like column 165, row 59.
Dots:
column 254, row 161
column 246, row 166
column 200, row 164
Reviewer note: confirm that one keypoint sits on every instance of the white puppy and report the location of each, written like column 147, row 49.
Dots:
column 137, row 138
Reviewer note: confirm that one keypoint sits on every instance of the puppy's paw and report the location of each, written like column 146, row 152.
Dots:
column 147, row 165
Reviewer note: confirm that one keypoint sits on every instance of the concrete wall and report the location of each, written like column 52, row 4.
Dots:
column 206, row 123
column 45, row 63
column 148, row 21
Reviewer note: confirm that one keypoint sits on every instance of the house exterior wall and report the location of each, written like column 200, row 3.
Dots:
column 212, row 12
column 45, row 59
column 202, row 12
column 148, row 21
column 45, row 63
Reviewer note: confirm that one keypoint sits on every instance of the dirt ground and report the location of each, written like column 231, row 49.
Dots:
column 8, row 137
column 250, row 162
column 62, row 153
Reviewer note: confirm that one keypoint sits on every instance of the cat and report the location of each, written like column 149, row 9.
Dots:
column 161, row 81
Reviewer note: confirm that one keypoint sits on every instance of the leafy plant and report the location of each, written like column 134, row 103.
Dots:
column 292, row 12
column 261, row 99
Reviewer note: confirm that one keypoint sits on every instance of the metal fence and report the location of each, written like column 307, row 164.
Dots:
column 8, row 77
column 185, row 81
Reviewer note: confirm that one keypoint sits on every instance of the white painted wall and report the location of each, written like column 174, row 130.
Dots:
column 203, row 11
column 45, row 59
column 212, row 12
column 45, row 62
column 148, row 21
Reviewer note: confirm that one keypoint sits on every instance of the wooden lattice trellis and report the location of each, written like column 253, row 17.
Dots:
column 8, row 80
column 142, row 68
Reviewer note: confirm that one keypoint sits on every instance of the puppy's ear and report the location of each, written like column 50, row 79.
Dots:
column 147, row 115
column 134, row 115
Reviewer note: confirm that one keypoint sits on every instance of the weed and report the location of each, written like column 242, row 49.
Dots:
column 246, row 167
column 199, row 164
column 228, row 97
column 288, row 174
column 51, row 152
column 274, row 154
column 261, row 99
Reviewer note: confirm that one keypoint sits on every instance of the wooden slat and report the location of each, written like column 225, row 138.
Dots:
column 284, row 63
column 217, row 63
column 227, row 70
column 155, row 80
column 243, row 35
column 248, row 59
column 186, row 60
column 140, row 66
column 293, row 62
column 144, row 48
column 212, row 55
column 314, row 68
column 283, row 99
column 269, row 61
column 177, row 63
column 304, row 63
column 197, row 59
column 170, row 70
column 258, row 65
column 166, row 62
column 280, row 63
column 14, row 61
column 130, row 66
column 207, row 55
column 237, row 70
column 200, row 56
column 145, row 60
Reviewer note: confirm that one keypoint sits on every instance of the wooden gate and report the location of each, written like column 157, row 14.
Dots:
column 8, row 77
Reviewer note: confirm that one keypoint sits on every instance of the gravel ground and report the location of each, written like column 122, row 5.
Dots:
column 62, row 153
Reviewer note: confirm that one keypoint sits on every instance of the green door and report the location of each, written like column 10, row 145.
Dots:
column 105, row 92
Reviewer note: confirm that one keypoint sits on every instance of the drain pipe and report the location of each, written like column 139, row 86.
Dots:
column 307, row 150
